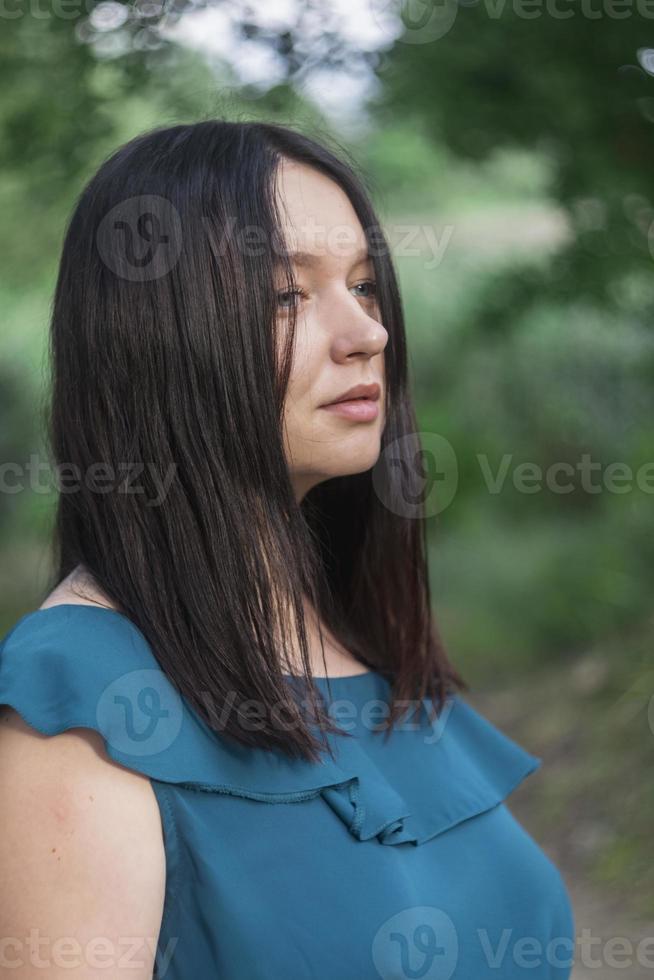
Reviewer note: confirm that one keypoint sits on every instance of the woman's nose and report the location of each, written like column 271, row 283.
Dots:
column 355, row 331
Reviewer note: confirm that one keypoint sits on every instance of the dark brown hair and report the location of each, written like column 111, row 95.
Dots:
column 164, row 361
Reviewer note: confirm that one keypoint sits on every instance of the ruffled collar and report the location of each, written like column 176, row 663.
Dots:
column 83, row 666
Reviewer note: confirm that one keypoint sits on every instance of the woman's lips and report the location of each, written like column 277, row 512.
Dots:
column 355, row 409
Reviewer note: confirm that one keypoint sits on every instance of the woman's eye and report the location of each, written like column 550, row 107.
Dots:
column 369, row 284
column 286, row 298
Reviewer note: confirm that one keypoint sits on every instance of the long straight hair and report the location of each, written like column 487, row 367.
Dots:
column 167, row 371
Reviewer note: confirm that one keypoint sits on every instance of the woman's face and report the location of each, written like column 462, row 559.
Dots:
column 339, row 338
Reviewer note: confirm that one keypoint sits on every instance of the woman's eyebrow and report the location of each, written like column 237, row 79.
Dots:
column 301, row 258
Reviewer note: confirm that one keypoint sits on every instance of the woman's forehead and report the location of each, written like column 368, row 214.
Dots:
column 319, row 223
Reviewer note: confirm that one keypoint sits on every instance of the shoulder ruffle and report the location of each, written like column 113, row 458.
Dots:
column 73, row 666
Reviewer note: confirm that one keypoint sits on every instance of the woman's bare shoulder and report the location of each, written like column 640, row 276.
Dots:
column 81, row 853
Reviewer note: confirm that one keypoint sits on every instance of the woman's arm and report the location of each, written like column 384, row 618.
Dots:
column 82, row 859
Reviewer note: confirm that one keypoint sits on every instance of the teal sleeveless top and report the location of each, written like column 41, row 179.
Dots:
column 396, row 859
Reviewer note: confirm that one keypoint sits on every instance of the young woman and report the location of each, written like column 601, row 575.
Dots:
column 232, row 744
